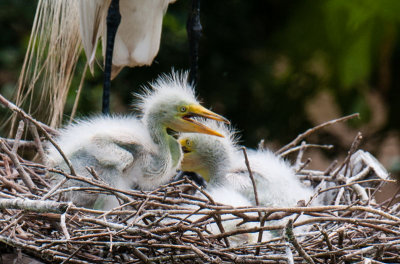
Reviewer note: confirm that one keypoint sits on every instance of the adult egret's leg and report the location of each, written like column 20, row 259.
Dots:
column 113, row 20
column 193, row 28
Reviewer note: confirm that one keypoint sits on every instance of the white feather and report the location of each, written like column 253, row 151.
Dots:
column 276, row 182
column 137, row 40
column 126, row 150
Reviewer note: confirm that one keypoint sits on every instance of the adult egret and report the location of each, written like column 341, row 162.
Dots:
column 61, row 28
column 128, row 151
column 221, row 163
column 130, row 30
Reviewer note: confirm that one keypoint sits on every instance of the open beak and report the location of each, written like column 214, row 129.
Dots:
column 197, row 127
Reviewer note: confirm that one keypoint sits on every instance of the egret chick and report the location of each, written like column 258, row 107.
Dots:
column 221, row 163
column 130, row 151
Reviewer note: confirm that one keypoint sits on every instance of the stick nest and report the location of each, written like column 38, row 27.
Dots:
column 155, row 226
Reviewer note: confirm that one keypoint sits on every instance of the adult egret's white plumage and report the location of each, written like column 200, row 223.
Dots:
column 128, row 151
column 138, row 36
column 221, row 163
column 131, row 32
column 62, row 27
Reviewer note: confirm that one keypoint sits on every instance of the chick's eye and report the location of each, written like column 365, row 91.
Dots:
column 183, row 109
column 188, row 142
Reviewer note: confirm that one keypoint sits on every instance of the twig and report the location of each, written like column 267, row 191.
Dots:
column 353, row 148
column 292, row 239
column 21, row 143
column 312, row 130
column 305, row 164
column 42, row 127
column 34, row 205
column 64, row 226
column 37, row 141
column 25, row 177
column 141, row 256
column 251, row 176
column 21, row 112
column 18, row 136
column 204, row 256
column 216, row 217
column 294, row 149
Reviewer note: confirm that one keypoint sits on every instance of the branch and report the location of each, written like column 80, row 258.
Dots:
column 34, row 205
column 290, row 237
column 312, row 130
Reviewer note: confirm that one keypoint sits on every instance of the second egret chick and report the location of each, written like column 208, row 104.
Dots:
column 221, row 163
column 129, row 151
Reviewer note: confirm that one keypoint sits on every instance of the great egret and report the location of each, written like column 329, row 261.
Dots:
column 221, row 163
column 61, row 28
column 127, row 151
column 130, row 30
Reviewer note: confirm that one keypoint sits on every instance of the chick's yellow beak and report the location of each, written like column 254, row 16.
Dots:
column 198, row 110
column 190, row 125
column 182, row 142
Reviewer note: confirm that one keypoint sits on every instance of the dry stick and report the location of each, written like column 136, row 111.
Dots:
column 353, row 148
column 246, row 159
column 393, row 198
column 16, row 217
column 12, row 184
column 300, row 156
column 140, row 255
column 18, row 110
column 328, row 242
column 78, row 95
column 216, row 217
column 72, row 255
column 131, row 230
column 202, row 255
column 251, row 176
column 37, row 140
column 64, row 227
column 305, row 164
column 40, row 178
column 18, row 136
column 42, row 127
column 21, row 143
column 25, row 177
column 34, row 205
column 330, row 168
column 312, row 130
column 294, row 149
column 290, row 237
column 37, row 250
column 54, row 188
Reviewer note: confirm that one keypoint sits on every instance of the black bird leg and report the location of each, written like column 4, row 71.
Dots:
column 193, row 28
column 113, row 21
